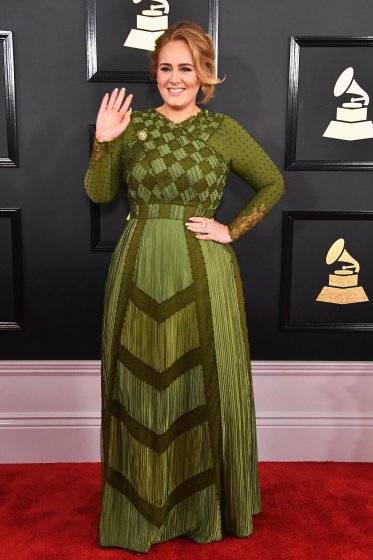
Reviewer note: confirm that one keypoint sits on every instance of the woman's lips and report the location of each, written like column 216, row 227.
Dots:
column 175, row 91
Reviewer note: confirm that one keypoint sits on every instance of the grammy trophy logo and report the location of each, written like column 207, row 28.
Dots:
column 351, row 122
column 150, row 25
column 343, row 285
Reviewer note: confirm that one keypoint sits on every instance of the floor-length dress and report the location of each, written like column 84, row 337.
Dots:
column 179, row 447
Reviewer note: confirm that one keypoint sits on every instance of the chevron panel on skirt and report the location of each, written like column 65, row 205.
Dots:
column 178, row 458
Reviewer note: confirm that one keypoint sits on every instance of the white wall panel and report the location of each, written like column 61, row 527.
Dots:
column 306, row 411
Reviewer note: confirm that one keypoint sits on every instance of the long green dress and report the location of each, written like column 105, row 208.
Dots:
column 179, row 446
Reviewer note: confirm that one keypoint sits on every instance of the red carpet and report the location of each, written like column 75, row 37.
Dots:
column 318, row 511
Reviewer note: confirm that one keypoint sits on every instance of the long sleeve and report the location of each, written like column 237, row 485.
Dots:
column 250, row 162
column 104, row 175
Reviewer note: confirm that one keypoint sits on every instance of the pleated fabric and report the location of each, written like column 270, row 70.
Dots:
column 180, row 439
column 240, row 454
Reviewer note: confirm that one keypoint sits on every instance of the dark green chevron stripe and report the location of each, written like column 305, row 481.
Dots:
column 151, row 513
column 158, row 380
column 159, row 442
column 163, row 310
column 185, row 393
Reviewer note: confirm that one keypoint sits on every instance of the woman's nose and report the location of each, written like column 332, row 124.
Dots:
column 174, row 78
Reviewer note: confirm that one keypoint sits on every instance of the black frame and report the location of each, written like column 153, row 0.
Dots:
column 286, row 276
column 96, row 243
column 16, row 235
column 291, row 161
column 95, row 75
column 11, row 160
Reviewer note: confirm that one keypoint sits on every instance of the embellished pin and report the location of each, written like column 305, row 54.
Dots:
column 142, row 135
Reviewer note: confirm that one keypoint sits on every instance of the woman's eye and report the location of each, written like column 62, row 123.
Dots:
column 167, row 69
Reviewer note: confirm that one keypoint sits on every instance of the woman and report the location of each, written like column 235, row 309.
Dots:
column 179, row 445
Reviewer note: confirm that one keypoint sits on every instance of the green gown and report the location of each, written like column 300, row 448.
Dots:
column 179, row 446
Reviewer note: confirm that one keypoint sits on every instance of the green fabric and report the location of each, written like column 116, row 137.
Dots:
column 183, row 394
column 238, row 422
column 179, row 447
column 190, row 169
column 181, row 516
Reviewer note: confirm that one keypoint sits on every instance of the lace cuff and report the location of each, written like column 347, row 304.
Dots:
column 241, row 224
column 99, row 149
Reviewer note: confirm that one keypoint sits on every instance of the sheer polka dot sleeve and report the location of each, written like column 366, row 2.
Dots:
column 105, row 173
column 250, row 162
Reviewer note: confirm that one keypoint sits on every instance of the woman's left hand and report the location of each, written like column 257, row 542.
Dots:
column 210, row 229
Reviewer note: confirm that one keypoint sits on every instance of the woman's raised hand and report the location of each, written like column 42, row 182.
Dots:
column 114, row 115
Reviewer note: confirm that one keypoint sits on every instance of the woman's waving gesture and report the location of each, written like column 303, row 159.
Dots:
column 114, row 115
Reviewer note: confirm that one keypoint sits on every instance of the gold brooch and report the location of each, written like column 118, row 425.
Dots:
column 142, row 135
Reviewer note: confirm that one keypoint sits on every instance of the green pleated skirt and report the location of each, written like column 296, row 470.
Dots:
column 179, row 446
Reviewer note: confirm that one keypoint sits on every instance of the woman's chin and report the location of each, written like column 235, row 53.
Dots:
column 178, row 102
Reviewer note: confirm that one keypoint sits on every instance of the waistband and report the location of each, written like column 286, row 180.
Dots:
column 171, row 211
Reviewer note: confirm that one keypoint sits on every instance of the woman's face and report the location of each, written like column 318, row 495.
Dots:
column 177, row 80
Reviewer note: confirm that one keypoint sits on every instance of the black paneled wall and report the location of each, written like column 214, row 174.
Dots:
column 62, row 277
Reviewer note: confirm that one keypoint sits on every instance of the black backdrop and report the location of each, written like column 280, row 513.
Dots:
column 63, row 280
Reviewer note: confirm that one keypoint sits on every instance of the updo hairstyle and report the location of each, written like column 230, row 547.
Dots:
column 202, row 50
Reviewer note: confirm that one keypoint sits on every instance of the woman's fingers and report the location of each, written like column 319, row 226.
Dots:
column 208, row 229
column 198, row 219
column 104, row 103
column 126, row 104
column 203, row 235
column 112, row 99
column 119, row 100
column 115, row 100
column 198, row 223
column 198, row 227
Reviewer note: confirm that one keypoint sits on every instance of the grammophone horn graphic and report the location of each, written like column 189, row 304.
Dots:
column 343, row 285
column 351, row 122
column 150, row 25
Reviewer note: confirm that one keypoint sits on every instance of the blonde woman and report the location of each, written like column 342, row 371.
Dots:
column 179, row 447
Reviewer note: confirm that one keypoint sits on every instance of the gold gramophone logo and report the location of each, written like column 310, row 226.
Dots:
column 343, row 285
column 150, row 25
column 352, row 117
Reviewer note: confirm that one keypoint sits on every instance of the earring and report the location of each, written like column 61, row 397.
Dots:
column 204, row 88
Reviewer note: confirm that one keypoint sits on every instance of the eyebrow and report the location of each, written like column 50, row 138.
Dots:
column 181, row 63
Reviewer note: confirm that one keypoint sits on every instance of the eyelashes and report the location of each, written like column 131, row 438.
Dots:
column 167, row 69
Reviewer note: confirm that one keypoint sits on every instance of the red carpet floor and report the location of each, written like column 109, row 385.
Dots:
column 318, row 511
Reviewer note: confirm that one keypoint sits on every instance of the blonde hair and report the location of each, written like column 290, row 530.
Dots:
column 202, row 50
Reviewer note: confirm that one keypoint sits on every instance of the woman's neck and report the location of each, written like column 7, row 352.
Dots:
column 177, row 114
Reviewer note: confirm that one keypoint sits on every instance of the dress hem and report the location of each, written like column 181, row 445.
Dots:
column 182, row 536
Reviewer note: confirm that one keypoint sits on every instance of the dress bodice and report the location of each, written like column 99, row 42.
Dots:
column 184, row 164
column 174, row 164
